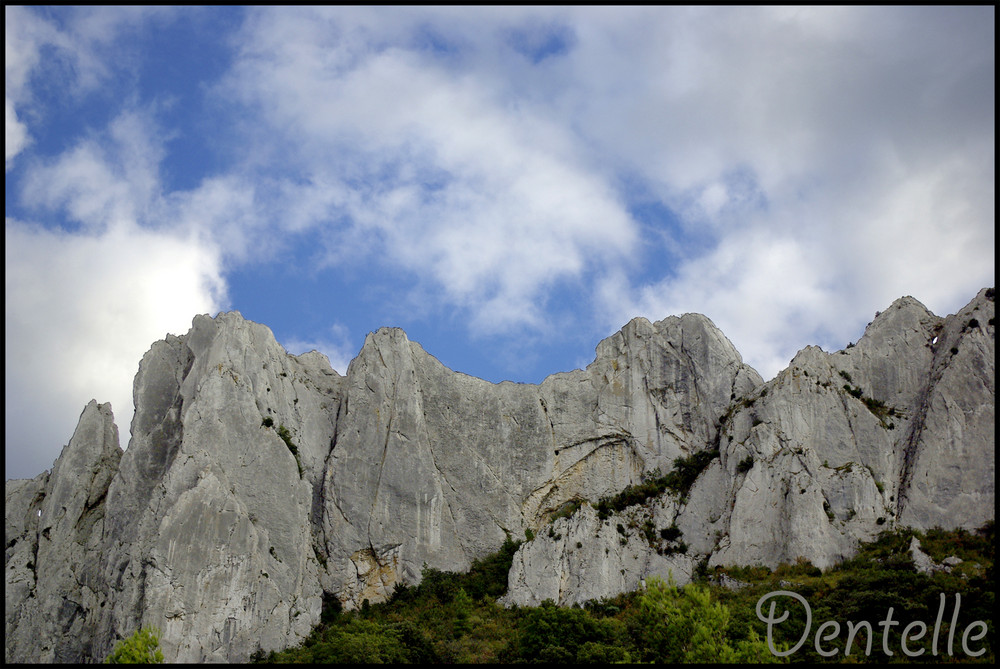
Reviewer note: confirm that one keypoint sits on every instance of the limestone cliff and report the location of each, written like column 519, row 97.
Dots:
column 256, row 481
column 895, row 430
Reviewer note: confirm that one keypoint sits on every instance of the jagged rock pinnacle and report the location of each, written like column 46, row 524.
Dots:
column 255, row 481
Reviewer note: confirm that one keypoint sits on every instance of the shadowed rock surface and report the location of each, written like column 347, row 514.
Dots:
column 256, row 481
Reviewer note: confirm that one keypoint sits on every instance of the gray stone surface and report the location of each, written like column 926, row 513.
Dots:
column 435, row 467
column 54, row 530
column 583, row 557
column 256, row 481
column 210, row 520
column 895, row 430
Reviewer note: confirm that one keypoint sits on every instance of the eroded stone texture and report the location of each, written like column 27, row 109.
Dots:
column 434, row 467
column 949, row 469
column 896, row 430
column 211, row 512
column 584, row 558
column 256, row 481
column 22, row 506
column 54, row 529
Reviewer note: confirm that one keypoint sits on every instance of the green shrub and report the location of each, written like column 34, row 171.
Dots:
column 143, row 647
column 854, row 392
column 286, row 437
column 802, row 567
column 365, row 641
column 567, row 509
column 679, row 480
column 671, row 533
column 686, row 470
column 649, row 531
column 461, row 608
column 487, row 576
column 685, row 625
column 551, row 633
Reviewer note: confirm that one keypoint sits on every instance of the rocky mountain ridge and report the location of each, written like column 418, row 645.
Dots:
column 257, row 482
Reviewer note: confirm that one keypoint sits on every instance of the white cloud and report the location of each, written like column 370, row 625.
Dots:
column 814, row 272
column 820, row 162
column 763, row 293
column 80, row 312
column 863, row 138
column 813, row 164
column 24, row 35
column 15, row 134
column 84, row 303
column 76, row 54
column 108, row 179
column 465, row 187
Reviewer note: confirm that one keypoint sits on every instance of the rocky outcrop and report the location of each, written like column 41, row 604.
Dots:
column 843, row 445
column 583, row 557
column 925, row 564
column 435, row 467
column 895, row 430
column 206, row 524
column 54, row 529
column 255, row 482
column 209, row 530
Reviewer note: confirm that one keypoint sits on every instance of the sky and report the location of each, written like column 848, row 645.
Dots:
column 508, row 185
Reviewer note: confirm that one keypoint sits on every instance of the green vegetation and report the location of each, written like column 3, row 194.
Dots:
column 679, row 481
column 567, row 509
column 143, row 647
column 550, row 633
column 880, row 576
column 878, row 408
column 853, row 392
column 455, row 618
column 286, row 437
column 688, row 625
column 448, row 618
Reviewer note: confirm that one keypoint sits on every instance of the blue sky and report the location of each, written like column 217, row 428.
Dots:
column 509, row 185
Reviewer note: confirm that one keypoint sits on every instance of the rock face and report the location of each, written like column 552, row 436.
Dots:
column 255, row 482
column 435, row 467
column 896, row 430
column 54, row 527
